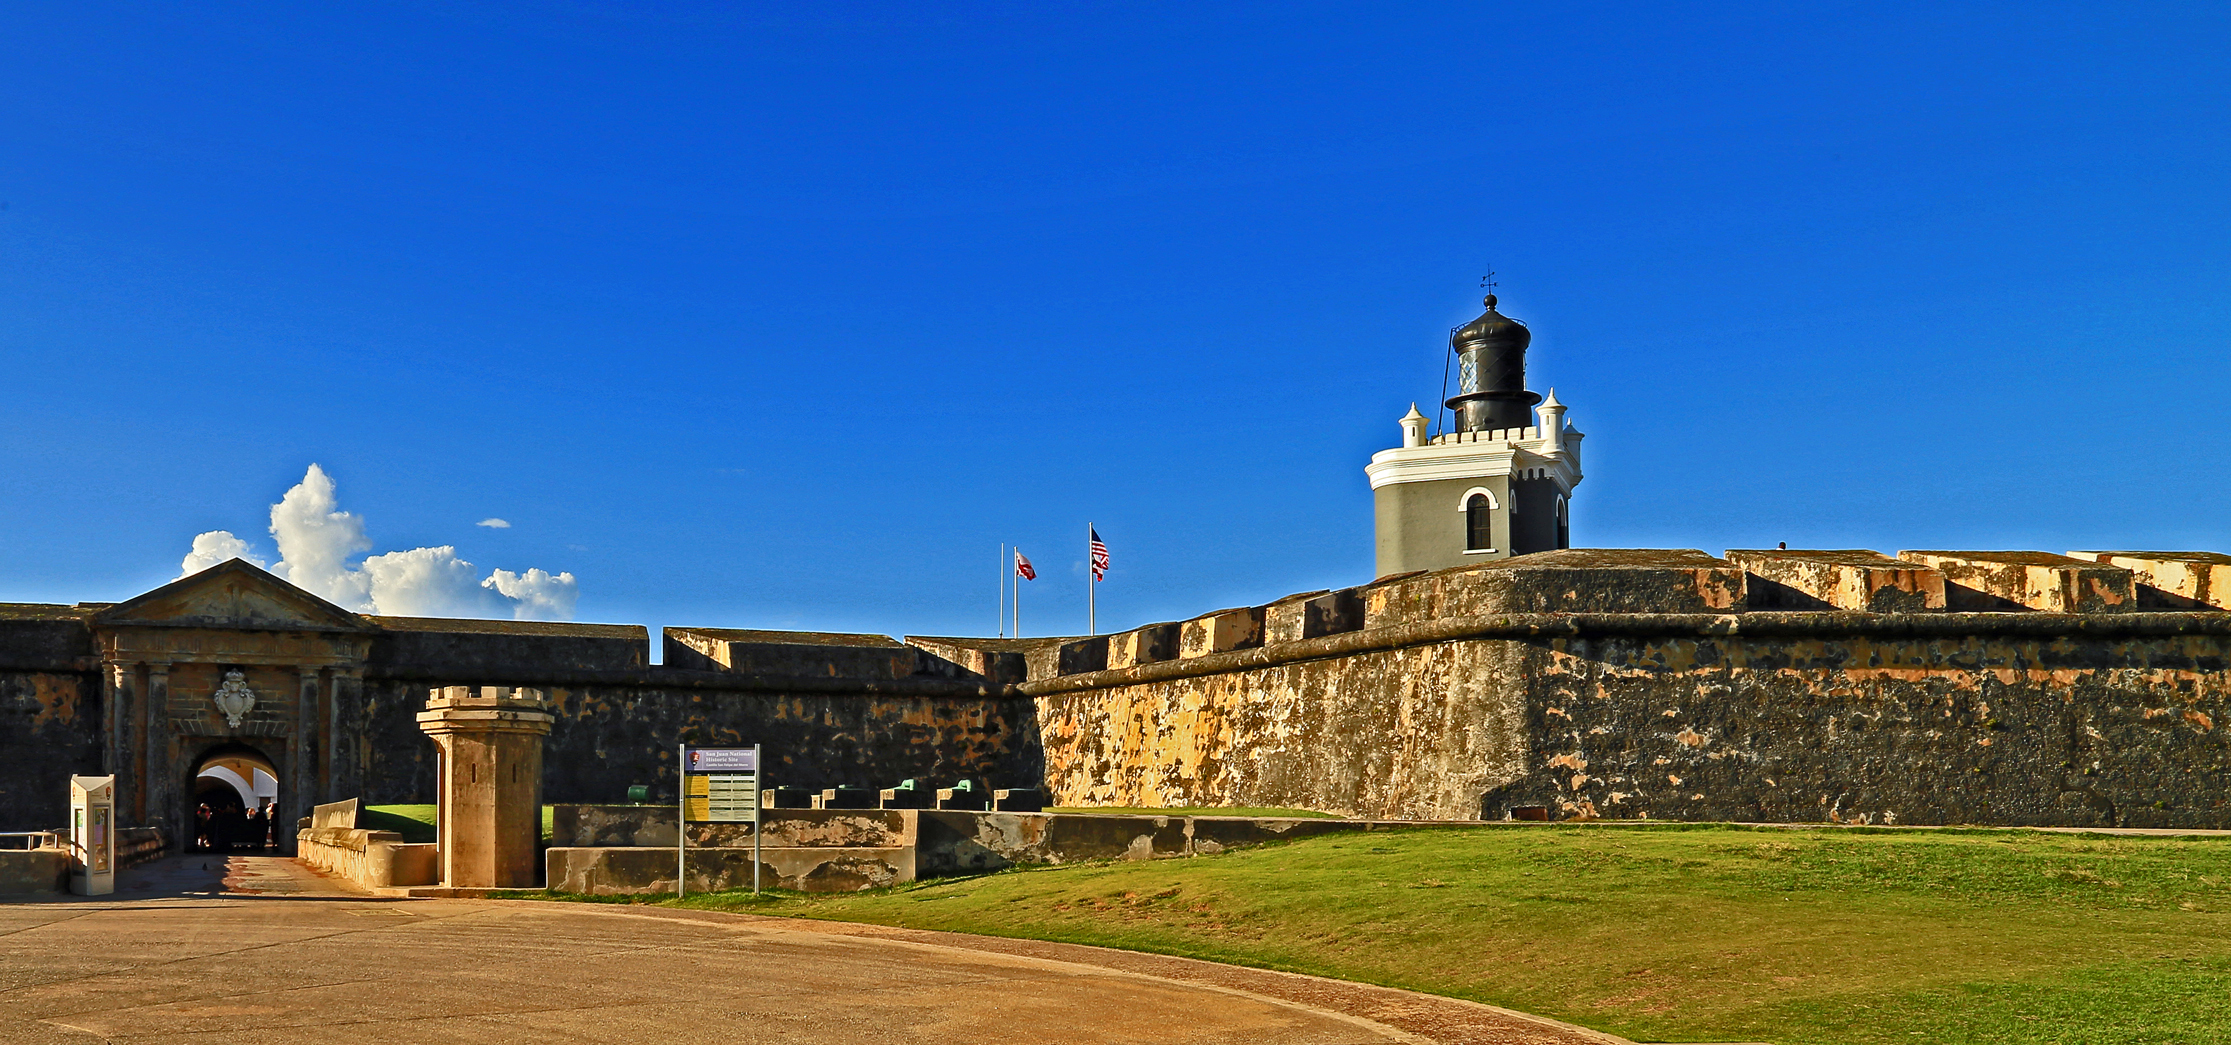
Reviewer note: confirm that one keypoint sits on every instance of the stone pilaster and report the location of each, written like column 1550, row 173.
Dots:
column 119, row 681
column 300, row 791
column 156, row 798
column 491, row 782
column 344, row 727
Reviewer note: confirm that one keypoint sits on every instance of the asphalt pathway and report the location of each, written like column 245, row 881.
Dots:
column 252, row 950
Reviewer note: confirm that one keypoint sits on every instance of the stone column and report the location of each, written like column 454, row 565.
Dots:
column 300, row 789
column 155, row 800
column 344, row 721
column 121, row 756
column 491, row 786
column 116, row 688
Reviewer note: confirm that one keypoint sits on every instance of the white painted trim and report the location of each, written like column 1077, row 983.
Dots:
column 1471, row 461
column 1464, row 503
column 1477, row 551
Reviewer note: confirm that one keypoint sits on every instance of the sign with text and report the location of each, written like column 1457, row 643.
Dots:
column 720, row 760
column 721, row 797
column 720, row 785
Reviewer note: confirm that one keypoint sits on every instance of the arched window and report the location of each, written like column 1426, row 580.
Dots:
column 1479, row 523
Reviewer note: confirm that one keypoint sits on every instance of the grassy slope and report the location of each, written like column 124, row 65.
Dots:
column 416, row 821
column 1672, row 933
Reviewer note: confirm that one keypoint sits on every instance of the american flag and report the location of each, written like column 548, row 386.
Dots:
column 1022, row 567
column 1099, row 555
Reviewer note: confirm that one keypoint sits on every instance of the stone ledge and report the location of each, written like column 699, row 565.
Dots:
column 1577, row 625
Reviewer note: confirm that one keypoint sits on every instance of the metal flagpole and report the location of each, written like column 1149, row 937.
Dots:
column 758, row 802
column 681, row 821
column 1092, row 605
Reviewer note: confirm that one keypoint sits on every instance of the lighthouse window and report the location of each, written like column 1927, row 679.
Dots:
column 1479, row 523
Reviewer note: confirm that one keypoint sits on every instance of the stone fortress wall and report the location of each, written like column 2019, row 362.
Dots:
column 830, row 709
column 2013, row 688
column 1937, row 687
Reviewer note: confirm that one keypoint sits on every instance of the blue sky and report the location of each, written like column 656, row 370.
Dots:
column 754, row 318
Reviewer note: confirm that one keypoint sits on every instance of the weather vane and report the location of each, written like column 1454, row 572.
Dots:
column 1487, row 282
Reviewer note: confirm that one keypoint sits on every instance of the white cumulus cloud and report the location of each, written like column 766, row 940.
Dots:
column 540, row 595
column 214, row 547
column 494, row 524
column 425, row 582
column 316, row 540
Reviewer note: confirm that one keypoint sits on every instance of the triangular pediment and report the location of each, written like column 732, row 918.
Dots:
column 233, row 594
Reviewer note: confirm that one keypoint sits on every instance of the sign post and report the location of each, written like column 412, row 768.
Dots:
column 719, row 785
column 93, row 835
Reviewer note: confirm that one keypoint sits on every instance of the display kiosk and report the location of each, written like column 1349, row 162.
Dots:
column 92, row 835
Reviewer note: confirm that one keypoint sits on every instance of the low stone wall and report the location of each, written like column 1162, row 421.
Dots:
column 138, row 845
column 29, row 871
column 631, row 848
column 618, row 870
column 333, row 843
column 373, row 859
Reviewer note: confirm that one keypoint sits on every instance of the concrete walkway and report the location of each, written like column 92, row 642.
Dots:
column 255, row 950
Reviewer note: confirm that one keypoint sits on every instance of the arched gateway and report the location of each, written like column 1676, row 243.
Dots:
column 231, row 659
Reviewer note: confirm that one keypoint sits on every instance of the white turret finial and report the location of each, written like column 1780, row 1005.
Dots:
column 1553, row 422
column 1413, row 427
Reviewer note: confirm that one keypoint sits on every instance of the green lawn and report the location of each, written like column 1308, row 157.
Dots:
column 1674, row 933
column 416, row 821
column 1252, row 811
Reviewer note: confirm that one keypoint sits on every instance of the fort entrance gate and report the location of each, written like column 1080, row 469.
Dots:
column 230, row 661
column 234, row 794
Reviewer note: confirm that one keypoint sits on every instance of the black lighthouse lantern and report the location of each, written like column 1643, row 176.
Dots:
column 1491, row 373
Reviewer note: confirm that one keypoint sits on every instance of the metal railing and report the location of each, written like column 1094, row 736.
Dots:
column 31, row 839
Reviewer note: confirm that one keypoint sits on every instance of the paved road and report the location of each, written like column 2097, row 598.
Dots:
column 256, row 950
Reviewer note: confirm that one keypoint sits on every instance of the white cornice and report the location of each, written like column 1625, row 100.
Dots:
column 1472, row 460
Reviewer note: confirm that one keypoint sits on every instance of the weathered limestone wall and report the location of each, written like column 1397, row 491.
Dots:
column 608, row 737
column 51, row 722
column 1967, row 721
column 1640, row 684
column 1415, row 733
column 830, row 709
column 50, row 714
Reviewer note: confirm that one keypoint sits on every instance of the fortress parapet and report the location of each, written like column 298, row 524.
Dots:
column 1999, row 581
column 2174, row 580
column 1849, row 579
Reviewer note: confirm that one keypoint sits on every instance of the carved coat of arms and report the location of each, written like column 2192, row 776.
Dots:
column 234, row 698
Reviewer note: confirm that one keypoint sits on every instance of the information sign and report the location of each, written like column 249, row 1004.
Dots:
column 92, row 835
column 721, row 798
column 720, row 785
column 720, row 760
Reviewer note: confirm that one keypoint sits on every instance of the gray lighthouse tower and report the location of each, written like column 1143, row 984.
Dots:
column 1499, row 484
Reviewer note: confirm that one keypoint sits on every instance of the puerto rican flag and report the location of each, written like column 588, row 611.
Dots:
column 1023, row 568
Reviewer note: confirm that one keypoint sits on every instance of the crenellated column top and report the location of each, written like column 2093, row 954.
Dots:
column 485, row 709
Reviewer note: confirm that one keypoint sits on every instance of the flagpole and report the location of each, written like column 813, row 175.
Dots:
column 1015, row 577
column 1092, row 589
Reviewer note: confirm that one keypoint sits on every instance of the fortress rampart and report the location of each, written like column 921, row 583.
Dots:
column 1769, row 685
column 1935, row 687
